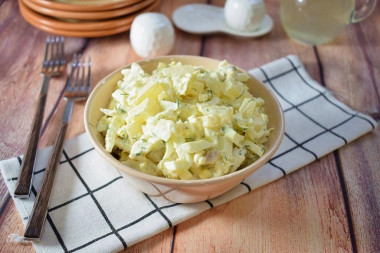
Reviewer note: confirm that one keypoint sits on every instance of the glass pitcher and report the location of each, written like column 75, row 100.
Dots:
column 319, row 21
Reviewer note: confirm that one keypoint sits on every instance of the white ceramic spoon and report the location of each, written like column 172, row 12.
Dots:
column 203, row 19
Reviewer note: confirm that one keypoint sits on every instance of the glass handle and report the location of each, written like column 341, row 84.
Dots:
column 363, row 12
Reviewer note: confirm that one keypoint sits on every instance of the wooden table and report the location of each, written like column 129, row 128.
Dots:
column 330, row 205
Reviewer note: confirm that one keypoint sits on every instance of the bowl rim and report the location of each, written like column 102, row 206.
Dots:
column 177, row 182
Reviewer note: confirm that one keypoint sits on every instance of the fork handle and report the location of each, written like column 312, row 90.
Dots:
column 36, row 220
column 24, row 181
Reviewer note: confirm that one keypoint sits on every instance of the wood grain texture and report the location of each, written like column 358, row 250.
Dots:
column 36, row 220
column 21, row 63
column 355, row 80
column 10, row 222
column 5, row 197
column 21, row 86
column 161, row 242
column 24, row 181
column 305, row 211
column 360, row 167
column 302, row 212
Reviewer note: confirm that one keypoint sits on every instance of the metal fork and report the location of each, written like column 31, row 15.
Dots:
column 53, row 65
column 77, row 88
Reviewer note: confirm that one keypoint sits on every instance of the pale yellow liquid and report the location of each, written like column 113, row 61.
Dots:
column 315, row 21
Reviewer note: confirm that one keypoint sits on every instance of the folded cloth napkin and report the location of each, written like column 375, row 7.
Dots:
column 92, row 209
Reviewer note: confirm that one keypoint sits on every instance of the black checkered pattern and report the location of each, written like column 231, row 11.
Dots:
column 93, row 209
column 91, row 194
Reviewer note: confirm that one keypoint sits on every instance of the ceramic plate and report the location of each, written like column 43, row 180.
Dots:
column 81, row 29
column 88, row 15
column 205, row 19
column 83, row 5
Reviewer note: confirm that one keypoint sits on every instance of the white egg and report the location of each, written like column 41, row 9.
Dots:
column 152, row 34
column 244, row 15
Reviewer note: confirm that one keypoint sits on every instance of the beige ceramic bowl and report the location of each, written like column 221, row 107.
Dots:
column 182, row 191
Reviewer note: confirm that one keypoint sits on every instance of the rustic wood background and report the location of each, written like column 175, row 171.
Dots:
column 332, row 205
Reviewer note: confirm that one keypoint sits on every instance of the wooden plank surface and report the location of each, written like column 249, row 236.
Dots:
column 352, row 68
column 360, row 166
column 331, row 205
column 355, row 80
column 302, row 212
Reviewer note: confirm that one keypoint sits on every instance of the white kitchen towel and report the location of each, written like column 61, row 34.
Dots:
column 92, row 209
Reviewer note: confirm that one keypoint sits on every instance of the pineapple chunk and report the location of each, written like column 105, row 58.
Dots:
column 233, row 91
column 204, row 174
column 211, row 136
column 120, row 96
column 178, row 168
column 256, row 149
column 122, row 144
column 149, row 167
column 239, row 157
column 196, row 146
column 211, row 121
column 134, row 131
column 151, row 90
column 194, row 88
column 116, row 123
column 249, row 106
column 102, row 124
column 231, row 134
column 140, row 113
column 167, row 105
column 225, row 145
column 164, row 129
column 144, row 145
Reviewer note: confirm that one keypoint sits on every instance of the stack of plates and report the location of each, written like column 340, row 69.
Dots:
column 84, row 18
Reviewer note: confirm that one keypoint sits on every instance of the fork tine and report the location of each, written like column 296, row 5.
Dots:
column 62, row 58
column 81, row 88
column 51, row 58
column 82, row 77
column 45, row 62
column 54, row 59
column 69, row 80
column 78, row 83
column 57, row 52
column 88, row 86
column 78, row 66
